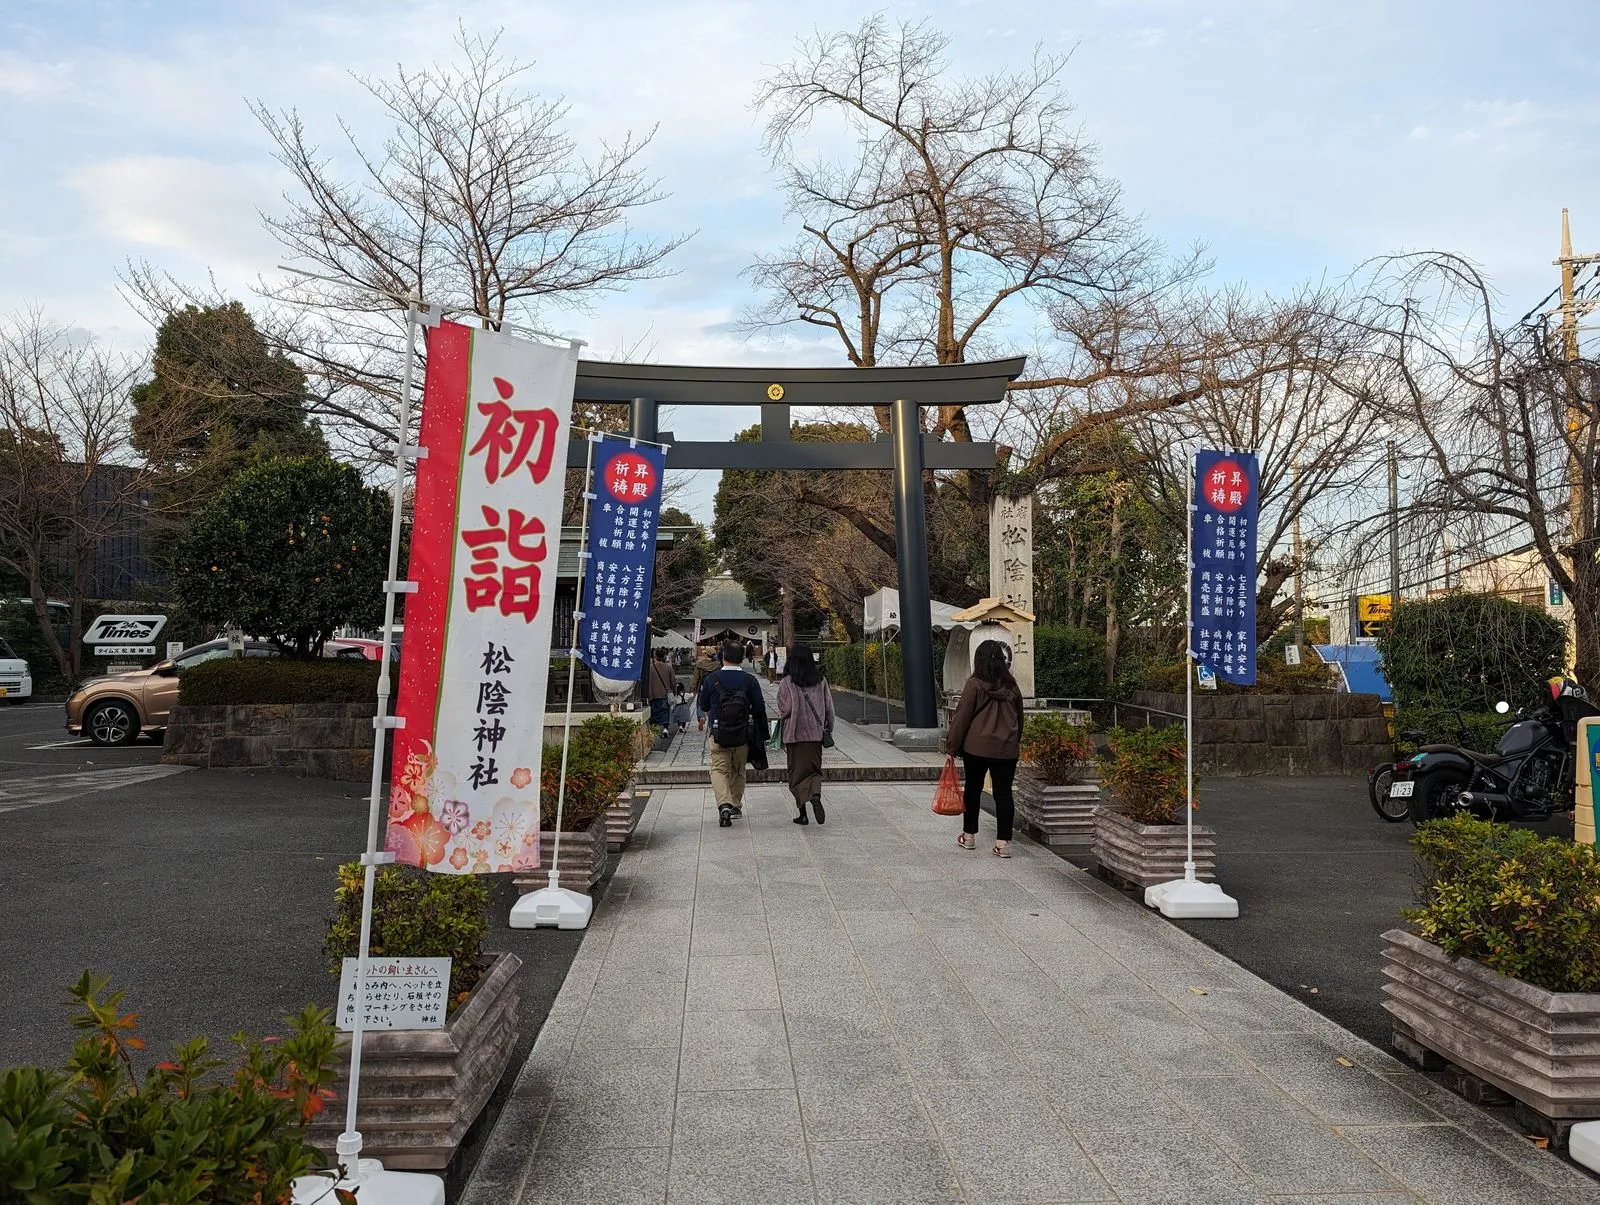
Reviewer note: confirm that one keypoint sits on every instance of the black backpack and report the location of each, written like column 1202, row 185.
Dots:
column 731, row 720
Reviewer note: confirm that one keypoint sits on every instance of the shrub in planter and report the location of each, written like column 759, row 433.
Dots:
column 1056, row 788
column 415, row 915
column 594, row 777
column 1145, row 773
column 1140, row 840
column 614, row 736
column 1521, row 904
column 1059, row 750
column 94, row 1132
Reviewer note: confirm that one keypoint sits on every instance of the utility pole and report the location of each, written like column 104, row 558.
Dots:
column 1394, row 531
column 1579, row 439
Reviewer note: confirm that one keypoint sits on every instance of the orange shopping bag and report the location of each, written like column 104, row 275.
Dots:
column 947, row 799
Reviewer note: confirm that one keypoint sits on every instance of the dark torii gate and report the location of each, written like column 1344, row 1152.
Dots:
column 646, row 387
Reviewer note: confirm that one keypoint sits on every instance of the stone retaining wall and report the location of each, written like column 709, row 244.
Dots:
column 317, row 740
column 1282, row 734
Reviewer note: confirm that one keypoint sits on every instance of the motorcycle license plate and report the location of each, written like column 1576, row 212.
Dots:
column 1400, row 790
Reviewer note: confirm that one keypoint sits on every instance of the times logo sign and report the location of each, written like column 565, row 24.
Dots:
column 125, row 629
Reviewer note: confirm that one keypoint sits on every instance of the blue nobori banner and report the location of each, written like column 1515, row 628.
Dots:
column 1222, row 580
column 622, row 556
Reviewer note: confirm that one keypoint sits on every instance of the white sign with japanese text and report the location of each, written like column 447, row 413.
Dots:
column 402, row 993
column 476, row 661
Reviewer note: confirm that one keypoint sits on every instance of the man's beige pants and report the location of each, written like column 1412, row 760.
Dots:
column 727, row 773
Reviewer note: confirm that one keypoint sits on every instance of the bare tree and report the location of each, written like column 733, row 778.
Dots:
column 1292, row 389
column 69, row 479
column 480, row 200
column 967, row 196
column 1507, row 426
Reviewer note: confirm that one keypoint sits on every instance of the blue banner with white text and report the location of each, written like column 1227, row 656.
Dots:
column 623, row 517
column 1222, row 581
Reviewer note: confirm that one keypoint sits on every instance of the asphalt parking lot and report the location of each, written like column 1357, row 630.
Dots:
column 204, row 894
column 1319, row 878
column 34, row 740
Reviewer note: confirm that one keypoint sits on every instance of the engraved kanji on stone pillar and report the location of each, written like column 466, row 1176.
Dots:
column 1011, row 575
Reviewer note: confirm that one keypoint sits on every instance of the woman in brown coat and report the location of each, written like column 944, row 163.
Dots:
column 986, row 732
column 805, row 707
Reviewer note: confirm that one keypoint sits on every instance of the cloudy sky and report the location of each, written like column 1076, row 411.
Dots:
column 1293, row 137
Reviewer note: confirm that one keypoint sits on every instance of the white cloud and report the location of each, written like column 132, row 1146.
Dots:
column 31, row 80
column 203, row 210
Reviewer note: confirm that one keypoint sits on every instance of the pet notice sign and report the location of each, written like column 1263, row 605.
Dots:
column 402, row 993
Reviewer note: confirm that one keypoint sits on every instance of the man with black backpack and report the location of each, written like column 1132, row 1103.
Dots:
column 732, row 700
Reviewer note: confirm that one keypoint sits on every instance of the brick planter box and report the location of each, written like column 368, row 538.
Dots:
column 316, row 740
column 1147, row 854
column 622, row 817
column 1539, row 1047
column 1057, row 815
column 421, row 1089
column 583, row 857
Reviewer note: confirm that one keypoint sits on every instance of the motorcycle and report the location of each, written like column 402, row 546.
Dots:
column 1531, row 775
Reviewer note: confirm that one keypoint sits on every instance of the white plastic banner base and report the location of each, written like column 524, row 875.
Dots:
column 1191, row 899
column 372, row 1186
column 553, row 908
column 1584, row 1144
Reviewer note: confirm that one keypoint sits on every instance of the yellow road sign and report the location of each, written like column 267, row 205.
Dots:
column 1372, row 613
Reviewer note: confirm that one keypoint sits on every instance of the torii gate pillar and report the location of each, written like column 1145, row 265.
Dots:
column 911, row 563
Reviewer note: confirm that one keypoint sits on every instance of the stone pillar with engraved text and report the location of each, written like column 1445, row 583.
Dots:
column 1011, row 575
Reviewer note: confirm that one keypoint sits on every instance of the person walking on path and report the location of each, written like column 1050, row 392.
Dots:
column 805, row 716
column 661, row 682
column 732, row 700
column 705, row 664
column 986, row 733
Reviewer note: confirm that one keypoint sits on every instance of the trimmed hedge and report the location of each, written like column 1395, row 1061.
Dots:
column 1470, row 651
column 1068, row 662
column 233, row 681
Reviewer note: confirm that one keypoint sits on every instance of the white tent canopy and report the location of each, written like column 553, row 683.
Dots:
column 671, row 640
column 882, row 613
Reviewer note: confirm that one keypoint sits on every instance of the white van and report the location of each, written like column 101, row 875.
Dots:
column 16, row 682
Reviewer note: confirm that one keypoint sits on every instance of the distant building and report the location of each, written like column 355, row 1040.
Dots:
column 119, row 563
column 1522, row 577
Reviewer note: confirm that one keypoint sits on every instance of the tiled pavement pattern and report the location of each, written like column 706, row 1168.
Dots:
column 864, row 1013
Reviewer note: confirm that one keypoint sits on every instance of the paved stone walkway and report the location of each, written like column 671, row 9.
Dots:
column 864, row 1013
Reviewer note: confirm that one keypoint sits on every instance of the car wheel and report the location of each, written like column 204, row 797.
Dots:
column 1436, row 794
column 111, row 724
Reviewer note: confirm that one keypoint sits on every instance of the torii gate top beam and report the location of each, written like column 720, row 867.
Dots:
column 648, row 386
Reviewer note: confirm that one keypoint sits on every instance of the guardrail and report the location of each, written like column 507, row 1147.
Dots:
column 1111, row 713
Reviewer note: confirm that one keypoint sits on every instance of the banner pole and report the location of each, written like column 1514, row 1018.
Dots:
column 572, row 658
column 1189, row 897
column 349, row 1143
column 1188, row 677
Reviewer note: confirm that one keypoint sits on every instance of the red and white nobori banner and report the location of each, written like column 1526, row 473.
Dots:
column 496, row 413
